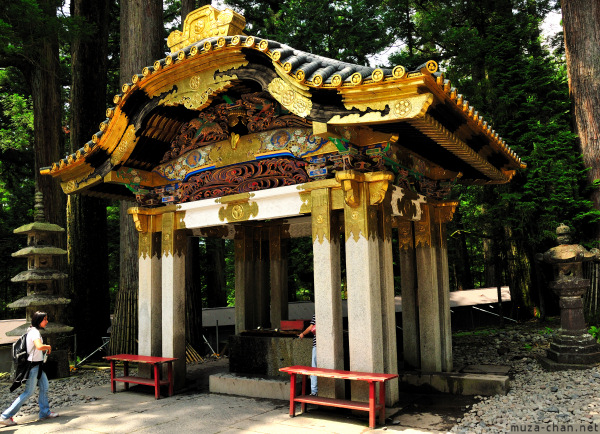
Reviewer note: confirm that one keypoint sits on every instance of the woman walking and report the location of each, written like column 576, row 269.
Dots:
column 35, row 351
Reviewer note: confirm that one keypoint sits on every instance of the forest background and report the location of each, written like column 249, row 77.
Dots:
column 61, row 63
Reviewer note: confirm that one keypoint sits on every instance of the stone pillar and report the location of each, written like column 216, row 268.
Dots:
column 279, row 273
column 410, row 315
column 443, row 213
column 365, row 333
column 428, row 293
column 244, row 279
column 261, row 274
column 150, row 295
column 328, row 299
column 388, row 304
column 174, row 246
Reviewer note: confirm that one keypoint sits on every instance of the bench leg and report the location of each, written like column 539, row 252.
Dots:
column 113, row 383
column 292, row 395
column 156, row 381
column 382, row 403
column 371, row 404
column 126, row 373
column 303, row 404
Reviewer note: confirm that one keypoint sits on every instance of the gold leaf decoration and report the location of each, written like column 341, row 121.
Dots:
column 290, row 98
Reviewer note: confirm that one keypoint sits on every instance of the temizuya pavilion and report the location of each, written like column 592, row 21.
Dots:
column 231, row 134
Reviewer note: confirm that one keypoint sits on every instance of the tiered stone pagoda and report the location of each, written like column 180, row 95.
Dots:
column 41, row 277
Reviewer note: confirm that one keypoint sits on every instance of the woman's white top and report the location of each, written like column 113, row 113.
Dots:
column 34, row 355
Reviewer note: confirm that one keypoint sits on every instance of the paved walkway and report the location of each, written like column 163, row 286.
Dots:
column 136, row 411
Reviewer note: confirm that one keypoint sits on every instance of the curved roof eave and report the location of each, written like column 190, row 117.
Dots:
column 210, row 66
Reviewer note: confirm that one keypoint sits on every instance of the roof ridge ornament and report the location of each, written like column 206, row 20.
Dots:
column 204, row 23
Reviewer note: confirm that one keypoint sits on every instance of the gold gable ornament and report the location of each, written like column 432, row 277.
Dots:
column 204, row 23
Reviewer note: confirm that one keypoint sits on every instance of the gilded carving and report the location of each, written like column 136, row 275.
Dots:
column 196, row 92
column 423, row 235
column 321, row 215
column 405, row 235
column 204, row 23
column 305, row 197
column 238, row 212
column 378, row 185
column 125, row 146
column 168, row 227
column 362, row 220
column 149, row 245
column 350, row 181
column 289, row 98
column 80, row 182
column 381, row 106
column 444, row 211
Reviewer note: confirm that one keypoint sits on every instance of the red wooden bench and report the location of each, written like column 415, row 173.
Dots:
column 149, row 360
column 372, row 406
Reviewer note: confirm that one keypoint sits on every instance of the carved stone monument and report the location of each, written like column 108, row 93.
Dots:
column 572, row 347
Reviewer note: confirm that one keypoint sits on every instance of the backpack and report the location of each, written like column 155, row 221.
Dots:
column 20, row 363
column 19, row 351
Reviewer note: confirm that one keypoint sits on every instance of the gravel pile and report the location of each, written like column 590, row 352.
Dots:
column 63, row 392
column 536, row 397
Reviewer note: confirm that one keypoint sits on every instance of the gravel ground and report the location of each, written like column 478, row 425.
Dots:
column 63, row 392
column 536, row 397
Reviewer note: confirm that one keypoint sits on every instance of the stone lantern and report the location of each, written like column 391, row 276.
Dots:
column 41, row 277
column 572, row 347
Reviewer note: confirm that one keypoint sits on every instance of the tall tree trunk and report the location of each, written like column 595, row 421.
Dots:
column 47, row 108
column 141, row 45
column 86, row 223
column 581, row 24
column 44, row 79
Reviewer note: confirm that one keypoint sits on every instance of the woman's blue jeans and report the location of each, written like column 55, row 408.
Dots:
column 313, row 378
column 32, row 380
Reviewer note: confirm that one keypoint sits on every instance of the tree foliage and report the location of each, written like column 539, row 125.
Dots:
column 349, row 30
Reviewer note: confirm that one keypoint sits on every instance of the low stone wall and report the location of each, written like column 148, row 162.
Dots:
column 264, row 355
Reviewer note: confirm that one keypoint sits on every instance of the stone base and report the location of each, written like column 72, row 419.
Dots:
column 551, row 365
column 455, row 383
column 255, row 387
column 569, row 348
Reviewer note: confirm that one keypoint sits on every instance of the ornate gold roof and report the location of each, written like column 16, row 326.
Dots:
column 418, row 108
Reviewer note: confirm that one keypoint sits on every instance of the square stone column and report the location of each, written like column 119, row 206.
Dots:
column 150, row 295
column 426, row 253
column 328, row 298
column 174, row 246
column 244, row 279
column 279, row 276
column 365, row 332
column 410, row 311
column 388, row 303
column 443, row 213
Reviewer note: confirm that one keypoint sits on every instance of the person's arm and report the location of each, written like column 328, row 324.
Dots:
column 301, row 335
column 41, row 347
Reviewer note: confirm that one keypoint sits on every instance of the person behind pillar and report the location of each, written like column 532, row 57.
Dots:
column 35, row 351
column 312, row 328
